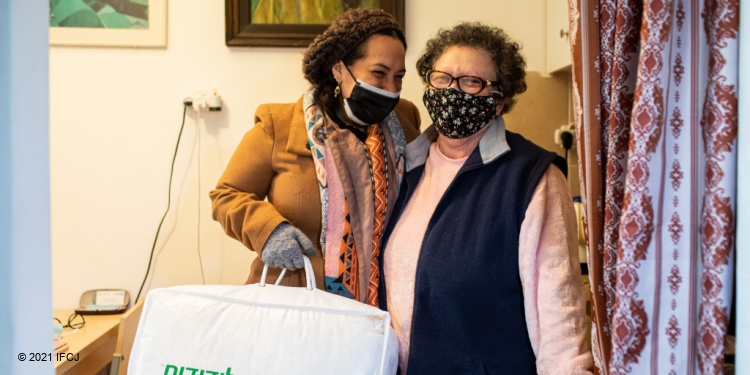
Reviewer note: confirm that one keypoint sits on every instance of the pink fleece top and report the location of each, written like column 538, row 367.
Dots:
column 548, row 262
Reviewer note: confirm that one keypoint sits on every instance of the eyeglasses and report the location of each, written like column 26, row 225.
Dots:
column 74, row 321
column 467, row 84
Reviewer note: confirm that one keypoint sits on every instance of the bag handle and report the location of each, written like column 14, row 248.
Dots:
column 309, row 274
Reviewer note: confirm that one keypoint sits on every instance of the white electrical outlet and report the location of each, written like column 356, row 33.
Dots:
column 202, row 100
column 565, row 129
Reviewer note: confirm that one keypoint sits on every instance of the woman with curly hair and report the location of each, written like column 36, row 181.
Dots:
column 480, row 259
column 320, row 176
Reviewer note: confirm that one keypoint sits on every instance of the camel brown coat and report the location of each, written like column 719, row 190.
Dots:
column 271, row 179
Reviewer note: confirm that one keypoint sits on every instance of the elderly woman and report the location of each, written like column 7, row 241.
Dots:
column 481, row 270
column 329, row 165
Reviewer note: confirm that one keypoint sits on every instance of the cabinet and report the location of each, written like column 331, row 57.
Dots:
column 558, row 37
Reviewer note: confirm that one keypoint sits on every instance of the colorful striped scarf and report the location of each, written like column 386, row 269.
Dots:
column 342, row 260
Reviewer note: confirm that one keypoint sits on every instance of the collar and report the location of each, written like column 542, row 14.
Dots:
column 492, row 145
column 297, row 142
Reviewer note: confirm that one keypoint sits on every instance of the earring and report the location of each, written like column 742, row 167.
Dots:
column 337, row 91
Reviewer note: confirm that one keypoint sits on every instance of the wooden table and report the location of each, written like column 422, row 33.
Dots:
column 90, row 349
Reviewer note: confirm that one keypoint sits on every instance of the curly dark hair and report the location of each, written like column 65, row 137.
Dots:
column 344, row 40
column 510, row 65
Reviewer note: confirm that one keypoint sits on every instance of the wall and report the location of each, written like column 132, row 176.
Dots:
column 25, row 283
column 544, row 107
column 115, row 114
column 742, row 249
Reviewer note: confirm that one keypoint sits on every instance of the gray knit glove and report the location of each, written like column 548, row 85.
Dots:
column 285, row 247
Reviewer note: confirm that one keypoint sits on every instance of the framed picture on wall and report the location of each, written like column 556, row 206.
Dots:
column 108, row 23
column 290, row 23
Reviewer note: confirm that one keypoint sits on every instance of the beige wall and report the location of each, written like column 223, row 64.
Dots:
column 114, row 118
column 543, row 108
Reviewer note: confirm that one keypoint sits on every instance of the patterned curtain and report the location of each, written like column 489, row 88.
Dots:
column 655, row 99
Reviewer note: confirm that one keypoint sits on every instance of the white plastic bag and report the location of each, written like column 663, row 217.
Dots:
column 261, row 329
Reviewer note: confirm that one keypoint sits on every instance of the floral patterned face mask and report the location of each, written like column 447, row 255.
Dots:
column 457, row 114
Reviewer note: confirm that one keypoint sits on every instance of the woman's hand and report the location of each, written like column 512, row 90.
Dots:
column 285, row 247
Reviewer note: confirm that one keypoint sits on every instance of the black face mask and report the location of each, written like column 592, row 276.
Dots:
column 368, row 104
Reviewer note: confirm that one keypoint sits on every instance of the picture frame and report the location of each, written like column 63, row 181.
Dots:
column 240, row 31
column 154, row 36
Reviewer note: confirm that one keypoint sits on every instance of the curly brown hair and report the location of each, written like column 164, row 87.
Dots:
column 344, row 41
column 510, row 65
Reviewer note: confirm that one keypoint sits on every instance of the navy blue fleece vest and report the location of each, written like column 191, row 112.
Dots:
column 468, row 309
